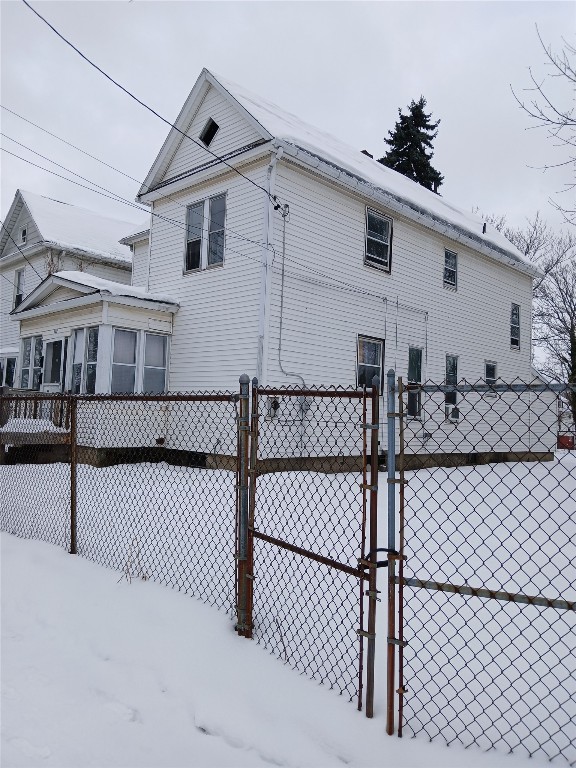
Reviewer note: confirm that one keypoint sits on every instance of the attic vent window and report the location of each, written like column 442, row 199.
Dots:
column 23, row 235
column 208, row 132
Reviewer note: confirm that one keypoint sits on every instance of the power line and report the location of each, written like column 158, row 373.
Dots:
column 20, row 249
column 78, row 149
column 332, row 282
column 273, row 199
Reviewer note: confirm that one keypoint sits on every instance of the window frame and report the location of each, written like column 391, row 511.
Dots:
column 85, row 362
column 206, row 130
column 24, row 235
column 31, row 367
column 134, row 365
column 140, row 358
column 205, row 234
column 18, row 286
column 513, row 326
column 376, row 340
column 415, row 395
column 450, row 406
column 450, row 286
column 4, row 370
column 490, row 380
column 369, row 260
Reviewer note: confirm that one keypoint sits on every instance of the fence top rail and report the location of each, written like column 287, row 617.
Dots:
column 487, row 388
column 303, row 392
column 223, row 397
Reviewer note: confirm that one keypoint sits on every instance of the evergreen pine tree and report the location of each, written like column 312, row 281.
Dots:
column 410, row 145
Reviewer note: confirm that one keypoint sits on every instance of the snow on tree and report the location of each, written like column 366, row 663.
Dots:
column 410, row 145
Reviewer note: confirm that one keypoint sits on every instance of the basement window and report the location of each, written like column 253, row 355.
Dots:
column 208, row 132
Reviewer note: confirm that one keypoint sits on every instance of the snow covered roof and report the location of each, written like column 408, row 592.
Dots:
column 111, row 288
column 289, row 128
column 67, row 226
column 85, row 284
column 141, row 232
column 346, row 165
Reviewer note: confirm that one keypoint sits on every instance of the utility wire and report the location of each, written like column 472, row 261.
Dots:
column 78, row 149
column 273, row 199
column 332, row 282
column 20, row 249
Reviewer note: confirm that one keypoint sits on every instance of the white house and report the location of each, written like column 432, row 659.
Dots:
column 39, row 237
column 277, row 250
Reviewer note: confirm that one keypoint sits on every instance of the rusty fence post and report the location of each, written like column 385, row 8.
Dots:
column 391, row 466
column 242, row 505
column 73, row 475
column 373, row 546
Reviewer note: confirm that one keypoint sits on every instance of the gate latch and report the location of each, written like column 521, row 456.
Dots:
column 367, row 563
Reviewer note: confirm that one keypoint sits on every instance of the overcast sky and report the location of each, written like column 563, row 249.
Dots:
column 345, row 67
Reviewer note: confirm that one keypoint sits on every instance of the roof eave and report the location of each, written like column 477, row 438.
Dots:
column 345, row 178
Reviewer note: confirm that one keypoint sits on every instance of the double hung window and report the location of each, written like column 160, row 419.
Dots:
column 31, row 372
column 515, row 326
column 414, row 377
column 378, row 240
column 18, row 287
column 450, row 269
column 451, row 398
column 53, row 362
column 205, row 234
column 370, row 358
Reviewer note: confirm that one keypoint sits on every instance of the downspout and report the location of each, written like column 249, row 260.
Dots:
column 266, row 271
column 285, row 214
column 149, row 249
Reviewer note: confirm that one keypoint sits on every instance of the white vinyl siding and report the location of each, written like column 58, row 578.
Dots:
column 215, row 330
column 233, row 133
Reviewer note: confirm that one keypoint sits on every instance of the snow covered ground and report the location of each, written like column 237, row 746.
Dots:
column 97, row 671
column 100, row 672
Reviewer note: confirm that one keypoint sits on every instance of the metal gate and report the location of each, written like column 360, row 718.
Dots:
column 487, row 574
column 307, row 530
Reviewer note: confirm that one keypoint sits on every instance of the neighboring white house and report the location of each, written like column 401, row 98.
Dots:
column 315, row 264
column 39, row 237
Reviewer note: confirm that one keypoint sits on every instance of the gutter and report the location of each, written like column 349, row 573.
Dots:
column 407, row 208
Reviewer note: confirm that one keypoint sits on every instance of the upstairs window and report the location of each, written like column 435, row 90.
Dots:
column 414, row 377
column 18, row 287
column 208, row 132
column 23, row 235
column 370, row 358
column 378, row 240
column 450, row 269
column 451, row 398
column 515, row 326
column 205, row 234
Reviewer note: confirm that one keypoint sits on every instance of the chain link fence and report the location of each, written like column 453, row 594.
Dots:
column 487, row 574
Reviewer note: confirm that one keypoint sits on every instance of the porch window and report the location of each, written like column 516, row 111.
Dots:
column 84, row 361
column 31, row 373
column 124, row 362
column 7, row 368
column 154, row 381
